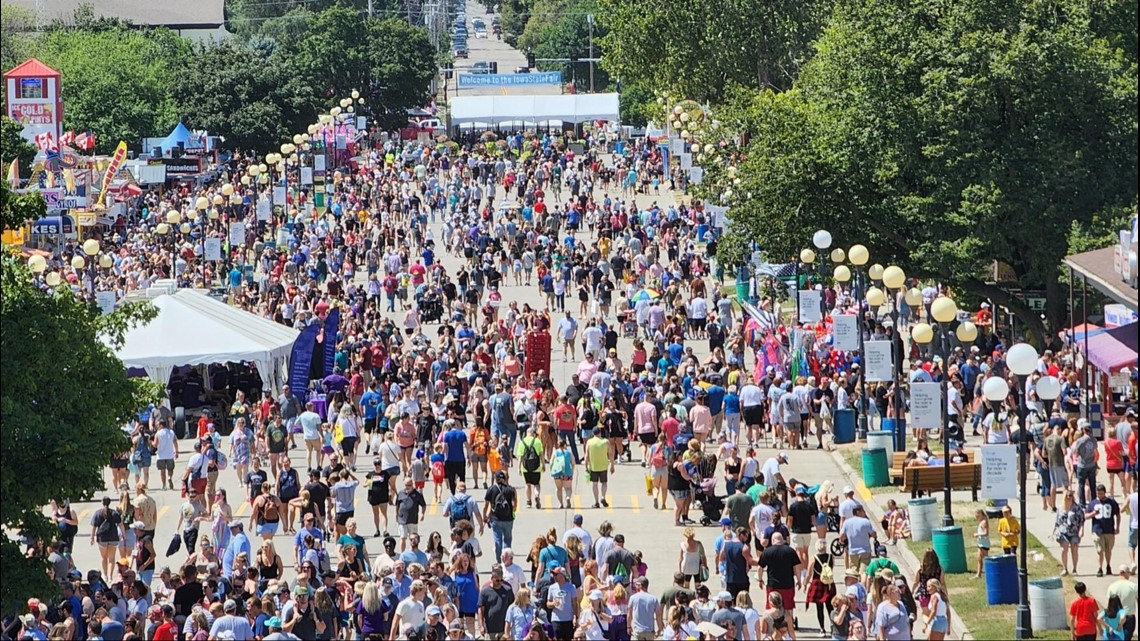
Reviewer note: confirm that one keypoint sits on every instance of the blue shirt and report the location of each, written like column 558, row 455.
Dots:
column 715, row 398
column 414, row 556
column 731, row 404
column 467, row 588
column 676, row 350
column 454, row 440
column 370, row 403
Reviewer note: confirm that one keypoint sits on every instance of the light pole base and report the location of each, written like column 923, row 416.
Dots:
column 1024, row 629
column 861, row 432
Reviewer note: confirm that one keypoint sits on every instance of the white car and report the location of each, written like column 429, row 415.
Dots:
column 480, row 33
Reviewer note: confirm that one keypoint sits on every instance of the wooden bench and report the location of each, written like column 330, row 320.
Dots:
column 927, row 478
column 897, row 459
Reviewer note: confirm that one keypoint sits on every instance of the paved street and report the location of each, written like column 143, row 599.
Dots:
column 492, row 50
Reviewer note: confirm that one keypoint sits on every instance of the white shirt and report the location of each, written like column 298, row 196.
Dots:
column 770, row 470
column 750, row 396
column 847, row 508
column 593, row 336
column 583, row 536
column 514, row 576
column 411, row 612
column 165, row 438
column 762, row 515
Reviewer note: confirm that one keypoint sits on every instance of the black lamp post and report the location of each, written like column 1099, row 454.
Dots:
column 807, row 257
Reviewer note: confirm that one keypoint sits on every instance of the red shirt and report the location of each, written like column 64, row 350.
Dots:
column 1083, row 610
column 671, row 426
column 166, row 632
column 565, row 417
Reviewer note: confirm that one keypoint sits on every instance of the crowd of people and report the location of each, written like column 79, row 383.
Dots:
column 437, row 381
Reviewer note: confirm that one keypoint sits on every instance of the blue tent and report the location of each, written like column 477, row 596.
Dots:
column 180, row 135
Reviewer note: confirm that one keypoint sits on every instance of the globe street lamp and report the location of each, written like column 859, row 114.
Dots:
column 91, row 248
column 944, row 311
column 893, row 279
column 1022, row 360
column 858, row 255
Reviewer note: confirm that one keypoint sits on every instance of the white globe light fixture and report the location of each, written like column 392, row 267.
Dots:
column 875, row 297
column 995, row 389
column 807, row 256
column 821, row 239
column 1048, row 388
column 944, row 309
column 1022, row 359
column 858, row 255
column 91, row 247
column 922, row 333
column 894, row 277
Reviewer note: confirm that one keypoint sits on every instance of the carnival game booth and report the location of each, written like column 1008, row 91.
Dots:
column 197, row 347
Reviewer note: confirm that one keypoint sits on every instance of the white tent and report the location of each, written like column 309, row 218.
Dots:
column 194, row 329
column 490, row 111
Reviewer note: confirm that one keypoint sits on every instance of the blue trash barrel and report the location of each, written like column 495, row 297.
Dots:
column 897, row 427
column 844, row 421
column 701, row 231
column 1001, row 579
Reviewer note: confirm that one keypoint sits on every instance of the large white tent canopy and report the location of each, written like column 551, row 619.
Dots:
column 492, row 111
column 192, row 328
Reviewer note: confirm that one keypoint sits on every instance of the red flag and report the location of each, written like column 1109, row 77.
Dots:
column 85, row 140
column 67, row 138
column 45, row 141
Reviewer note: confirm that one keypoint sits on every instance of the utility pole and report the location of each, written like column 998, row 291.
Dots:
column 590, row 22
column 369, row 9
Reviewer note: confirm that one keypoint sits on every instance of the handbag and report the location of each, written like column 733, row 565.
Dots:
column 175, row 545
column 703, row 571
column 649, row 485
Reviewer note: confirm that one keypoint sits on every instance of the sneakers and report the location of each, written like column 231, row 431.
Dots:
column 596, row 506
column 1064, row 573
column 1099, row 572
column 604, row 503
column 1108, row 570
column 538, row 503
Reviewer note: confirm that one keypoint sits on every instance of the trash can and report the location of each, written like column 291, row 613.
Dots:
column 875, row 467
column 883, row 439
column 1047, row 604
column 742, row 290
column 897, row 428
column 844, row 422
column 923, row 517
column 1001, row 579
column 950, row 548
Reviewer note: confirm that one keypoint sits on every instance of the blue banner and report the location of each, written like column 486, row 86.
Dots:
column 300, row 359
column 332, row 326
column 509, row 79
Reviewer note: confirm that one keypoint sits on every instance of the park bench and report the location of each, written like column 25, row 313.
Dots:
column 927, row 478
column 897, row 459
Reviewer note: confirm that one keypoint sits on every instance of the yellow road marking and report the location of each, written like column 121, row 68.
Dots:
column 577, row 502
column 242, row 509
column 161, row 513
column 610, row 500
column 548, row 501
column 433, row 509
column 83, row 516
column 633, row 501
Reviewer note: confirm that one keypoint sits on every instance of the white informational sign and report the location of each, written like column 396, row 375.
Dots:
column 686, row 161
column 999, row 472
column 280, row 195
column 926, row 406
column 717, row 214
column 306, row 175
column 676, row 146
column 810, row 306
column 105, row 301
column 1118, row 380
column 237, row 234
column 877, row 361
column 757, row 258
column 213, row 248
column 264, row 209
column 319, row 162
column 696, row 175
column 845, row 329
column 361, row 123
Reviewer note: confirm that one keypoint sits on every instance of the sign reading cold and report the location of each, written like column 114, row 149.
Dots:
column 32, row 98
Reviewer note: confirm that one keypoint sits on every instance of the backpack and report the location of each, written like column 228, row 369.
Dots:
column 531, row 461
column 459, row 510
column 502, row 505
column 657, row 459
column 826, row 573
column 269, row 512
column 437, row 471
column 324, row 564
column 681, row 441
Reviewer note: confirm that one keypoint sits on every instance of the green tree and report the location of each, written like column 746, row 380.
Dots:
column 255, row 101
column 62, row 393
column 637, row 105
column 14, row 147
column 701, row 48
column 17, row 209
column 560, row 29
column 17, row 25
column 948, row 136
column 117, row 82
column 387, row 61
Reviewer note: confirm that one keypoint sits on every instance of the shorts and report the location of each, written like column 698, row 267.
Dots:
column 680, row 495
column 390, row 472
column 1104, row 542
column 659, row 473
column 754, row 415
column 475, row 458
column 312, row 444
column 343, row 517
column 940, row 624
column 268, row 527
column 199, row 486
column 408, row 529
column 165, row 464
column 532, row 478
column 599, row 477
column 800, row 539
column 858, row 561
column 370, row 425
column 348, row 445
column 983, row 543
column 648, row 438
column 107, row 544
column 1067, row 539
column 1059, row 477
column 1132, row 538
column 788, row 594
column 821, row 519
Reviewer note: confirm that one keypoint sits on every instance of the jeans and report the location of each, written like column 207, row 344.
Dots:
column 1046, row 480
column 147, row 576
column 1086, row 475
column 569, row 436
column 503, row 532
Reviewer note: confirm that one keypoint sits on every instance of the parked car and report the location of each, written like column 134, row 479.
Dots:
column 480, row 33
column 459, row 51
column 482, row 66
column 522, row 69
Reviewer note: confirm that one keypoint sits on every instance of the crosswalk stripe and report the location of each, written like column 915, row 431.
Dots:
column 633, row 501
column 433, row 509
column 577, row 502
column 161, row 513
column 548, row 501
column 610, row 508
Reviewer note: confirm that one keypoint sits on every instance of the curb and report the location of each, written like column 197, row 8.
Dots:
column 906, row 559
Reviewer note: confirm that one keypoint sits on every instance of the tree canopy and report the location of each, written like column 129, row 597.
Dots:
column 946, row 136
column 63, row 395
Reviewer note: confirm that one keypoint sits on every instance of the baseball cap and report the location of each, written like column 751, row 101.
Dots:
column 229, row 605
column 456, row 626
column 801, row 489
column 725, row 521
column 596, row 595
column 558, row 570
column 724, row 595
column 578, row 518
column 273, row 622
column 434, row 611
column 1084, row 424
column 138, row 525
column 784, row 456
column 126, row 560
column 848, row 490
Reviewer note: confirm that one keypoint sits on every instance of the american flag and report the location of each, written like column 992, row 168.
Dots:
column 85, row 140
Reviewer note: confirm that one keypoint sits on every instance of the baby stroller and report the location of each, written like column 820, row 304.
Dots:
column 431, row 309
column 711, row 505
column 629, row 325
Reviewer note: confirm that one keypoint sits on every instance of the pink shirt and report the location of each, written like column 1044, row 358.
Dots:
column 645, row 418
column 586, row 371
column 701, row 419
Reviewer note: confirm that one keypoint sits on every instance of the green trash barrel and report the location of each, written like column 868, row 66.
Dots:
column 875, row 468
column 950, row 548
